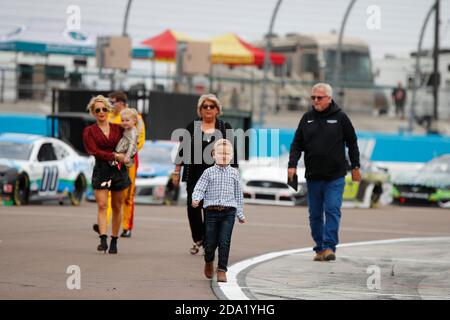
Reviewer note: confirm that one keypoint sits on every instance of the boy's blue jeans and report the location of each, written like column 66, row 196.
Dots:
column 218, row 230
column 324, row 201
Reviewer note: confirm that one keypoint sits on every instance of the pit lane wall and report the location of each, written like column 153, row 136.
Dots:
column 390, row 150
column 24, row 123
column 387, row 149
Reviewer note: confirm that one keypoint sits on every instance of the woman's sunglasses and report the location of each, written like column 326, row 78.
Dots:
column 208, row 106
column 101, row 109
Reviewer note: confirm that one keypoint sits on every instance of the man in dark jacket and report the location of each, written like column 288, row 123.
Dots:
column 322, row 135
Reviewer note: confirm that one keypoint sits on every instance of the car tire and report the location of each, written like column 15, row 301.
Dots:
column 376, row 195
column 444, row 204
column 302, row 201
column 21, row 191
column 79, row 189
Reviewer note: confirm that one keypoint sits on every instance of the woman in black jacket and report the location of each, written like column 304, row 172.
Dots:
column 195, row 157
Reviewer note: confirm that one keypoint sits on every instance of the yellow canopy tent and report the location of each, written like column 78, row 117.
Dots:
column 227, row 49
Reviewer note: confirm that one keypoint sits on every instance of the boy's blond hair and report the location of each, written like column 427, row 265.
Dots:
column 130, row 111
column 223, row 143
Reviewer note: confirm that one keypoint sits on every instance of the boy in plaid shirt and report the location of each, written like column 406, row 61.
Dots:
column 220, row 189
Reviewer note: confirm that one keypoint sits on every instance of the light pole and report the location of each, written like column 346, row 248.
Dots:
column 412, row 111
column 338, row 55
column 263, row 106
column 125, row 18
column 124, row 34
column 436, row 61
column 2, row 87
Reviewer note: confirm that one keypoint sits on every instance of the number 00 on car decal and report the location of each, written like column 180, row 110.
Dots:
column 49, row 179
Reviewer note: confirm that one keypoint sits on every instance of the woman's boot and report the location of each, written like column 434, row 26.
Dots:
column 113, row 245
column 103, row 246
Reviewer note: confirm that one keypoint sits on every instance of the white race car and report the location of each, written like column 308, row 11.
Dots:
column 37, row 168
column 264, row 181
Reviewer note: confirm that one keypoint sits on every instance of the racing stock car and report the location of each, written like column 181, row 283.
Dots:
column 428, row 185
column 37, row 168
column 265, row 182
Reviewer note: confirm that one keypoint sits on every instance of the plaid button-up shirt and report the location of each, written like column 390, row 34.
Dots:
column 220, row 186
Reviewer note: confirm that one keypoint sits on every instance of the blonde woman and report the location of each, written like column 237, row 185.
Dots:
column 100, row 140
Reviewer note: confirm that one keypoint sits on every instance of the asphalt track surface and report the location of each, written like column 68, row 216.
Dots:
column 38, row 243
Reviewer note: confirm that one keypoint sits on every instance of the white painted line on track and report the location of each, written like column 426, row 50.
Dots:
column 232, row 291
column 343, row 293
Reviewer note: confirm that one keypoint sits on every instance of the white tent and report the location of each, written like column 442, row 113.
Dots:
column 50, row 36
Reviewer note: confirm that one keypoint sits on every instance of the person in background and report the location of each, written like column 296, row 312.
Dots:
column 399, row 99
column 234, row 99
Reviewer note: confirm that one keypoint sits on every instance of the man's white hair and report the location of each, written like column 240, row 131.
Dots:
column 324, row 86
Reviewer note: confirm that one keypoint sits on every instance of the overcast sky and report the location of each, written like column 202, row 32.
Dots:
column 400, row 22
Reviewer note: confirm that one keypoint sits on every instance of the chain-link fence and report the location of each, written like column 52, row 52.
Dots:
column 238, row 88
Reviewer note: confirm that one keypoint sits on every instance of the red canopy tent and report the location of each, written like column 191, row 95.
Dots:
column 275, row 58
column 165, row 44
